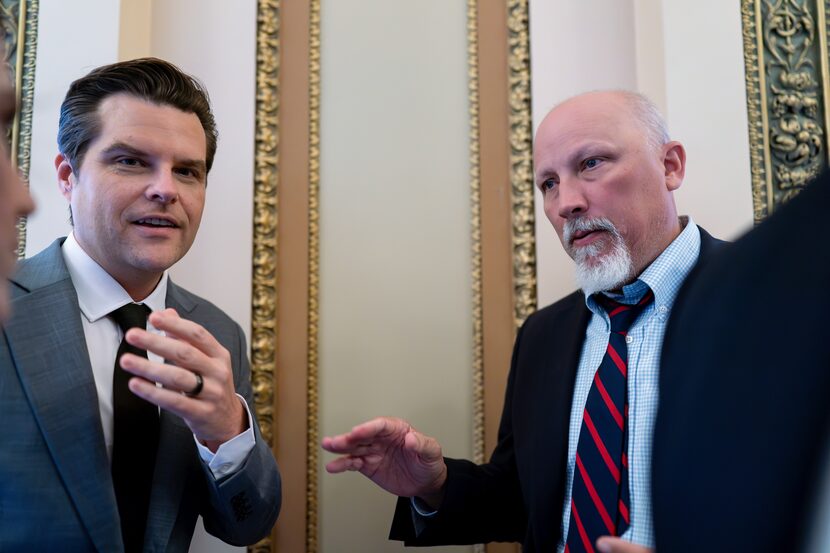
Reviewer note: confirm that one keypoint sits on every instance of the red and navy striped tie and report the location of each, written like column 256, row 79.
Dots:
column 600, row 498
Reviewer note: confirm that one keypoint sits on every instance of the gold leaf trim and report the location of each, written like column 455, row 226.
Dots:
column 785, row 55
column 21, row 19
column 266, row 177
column 755, row 107
column 313, row 275
column 521, row 165
column 475, row 228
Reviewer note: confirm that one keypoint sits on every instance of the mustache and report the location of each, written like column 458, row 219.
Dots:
column 582, row 224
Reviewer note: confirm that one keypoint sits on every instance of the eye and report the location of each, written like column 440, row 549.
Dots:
column 548, row 184
column 188, row 173
column 591, row 163
column 128, row 162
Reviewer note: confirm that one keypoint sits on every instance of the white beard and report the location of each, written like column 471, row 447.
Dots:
column 596, row 272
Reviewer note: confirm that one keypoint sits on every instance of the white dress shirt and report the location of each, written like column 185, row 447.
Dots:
column 99, row 295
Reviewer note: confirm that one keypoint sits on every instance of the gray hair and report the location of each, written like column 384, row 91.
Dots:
column 649, row 116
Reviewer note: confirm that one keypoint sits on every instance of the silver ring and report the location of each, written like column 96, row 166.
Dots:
column 197, row 388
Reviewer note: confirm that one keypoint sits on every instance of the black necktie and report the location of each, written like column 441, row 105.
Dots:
column 600, row 498
column 135, row 437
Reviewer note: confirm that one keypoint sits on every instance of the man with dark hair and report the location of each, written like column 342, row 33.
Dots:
column 126, row 398
column 573, row 458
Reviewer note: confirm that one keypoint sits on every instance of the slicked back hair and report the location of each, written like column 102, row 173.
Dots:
column 149, row 79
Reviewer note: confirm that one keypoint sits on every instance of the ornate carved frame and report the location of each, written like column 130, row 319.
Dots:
column 19, row 22
column 788, row 90
column 285, row 307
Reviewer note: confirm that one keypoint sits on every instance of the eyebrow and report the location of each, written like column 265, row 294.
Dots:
column 124, row 148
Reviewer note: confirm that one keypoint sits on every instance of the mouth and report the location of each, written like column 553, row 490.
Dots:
column 156, row 222
column 585, row 237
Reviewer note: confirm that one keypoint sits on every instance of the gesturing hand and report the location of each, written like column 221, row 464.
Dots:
column 215, row 414
column 394, row 456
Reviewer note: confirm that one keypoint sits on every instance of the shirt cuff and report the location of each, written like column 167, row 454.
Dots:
column 231, row 455
column 420, row 512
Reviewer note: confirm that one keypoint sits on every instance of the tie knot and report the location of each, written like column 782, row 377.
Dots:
column 622, row 315
column 131, row 315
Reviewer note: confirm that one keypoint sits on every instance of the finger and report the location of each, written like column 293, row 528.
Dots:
column 343, row 464
column 363, row 432
column 177, row 352
column 194, row 334
column 343, row 445
column 607, row 544
column 170, row 400
column 381, row 428
column 171, row 377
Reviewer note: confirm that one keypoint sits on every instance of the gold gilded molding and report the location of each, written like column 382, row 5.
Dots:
column 785, row 55
column 475, row 229
column 521, row 164
column 264, row 285
column 313, row 439
column 18, row 19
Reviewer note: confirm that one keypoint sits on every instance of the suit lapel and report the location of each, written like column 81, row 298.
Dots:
column 175, row 457
column 49, row 352
column 554, row 348
column 173, row 464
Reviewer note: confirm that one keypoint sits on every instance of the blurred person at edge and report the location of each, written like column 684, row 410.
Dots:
column 15, row 201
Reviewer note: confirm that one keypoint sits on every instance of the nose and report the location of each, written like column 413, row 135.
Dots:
column 571, row 199
column 164, row 188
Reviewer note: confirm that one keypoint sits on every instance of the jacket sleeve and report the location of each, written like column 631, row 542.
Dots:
column 244, row 506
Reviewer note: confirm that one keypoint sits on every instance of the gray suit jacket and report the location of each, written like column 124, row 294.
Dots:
column 56, row 491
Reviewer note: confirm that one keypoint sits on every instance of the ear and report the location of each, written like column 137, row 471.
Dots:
column 674, row 161
column 66, row 177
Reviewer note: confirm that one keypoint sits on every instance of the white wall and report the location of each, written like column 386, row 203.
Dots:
column 73, row 38
column 395, row 269
column 706, row 110
column 688, row 57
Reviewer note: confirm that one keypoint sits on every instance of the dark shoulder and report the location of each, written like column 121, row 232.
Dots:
column 569, row 308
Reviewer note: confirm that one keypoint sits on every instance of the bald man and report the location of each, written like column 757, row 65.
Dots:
column 573, row 459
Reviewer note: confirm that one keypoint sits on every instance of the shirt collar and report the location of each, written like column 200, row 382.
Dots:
column 98, row 293
column 665, row 275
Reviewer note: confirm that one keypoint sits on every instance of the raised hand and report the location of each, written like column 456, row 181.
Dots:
column 394, row 456
column 213, row 411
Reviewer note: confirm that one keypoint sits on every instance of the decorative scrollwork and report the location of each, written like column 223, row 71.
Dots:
column 313, row 401
column 264, row 285
column 796, row 135
column 18, row 18
column 475, row 229
column 786, row 78
column 521, row 165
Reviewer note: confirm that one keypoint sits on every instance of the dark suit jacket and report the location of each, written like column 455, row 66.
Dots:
column 518, row 495
column 744, row 417
column 56, row 491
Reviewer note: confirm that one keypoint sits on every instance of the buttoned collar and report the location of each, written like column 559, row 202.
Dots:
column 664, row 276
column 98, row 293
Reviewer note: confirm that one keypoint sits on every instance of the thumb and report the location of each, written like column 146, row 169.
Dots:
column 425, row 447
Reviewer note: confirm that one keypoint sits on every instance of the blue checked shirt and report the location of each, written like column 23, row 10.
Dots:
column 645, row 340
